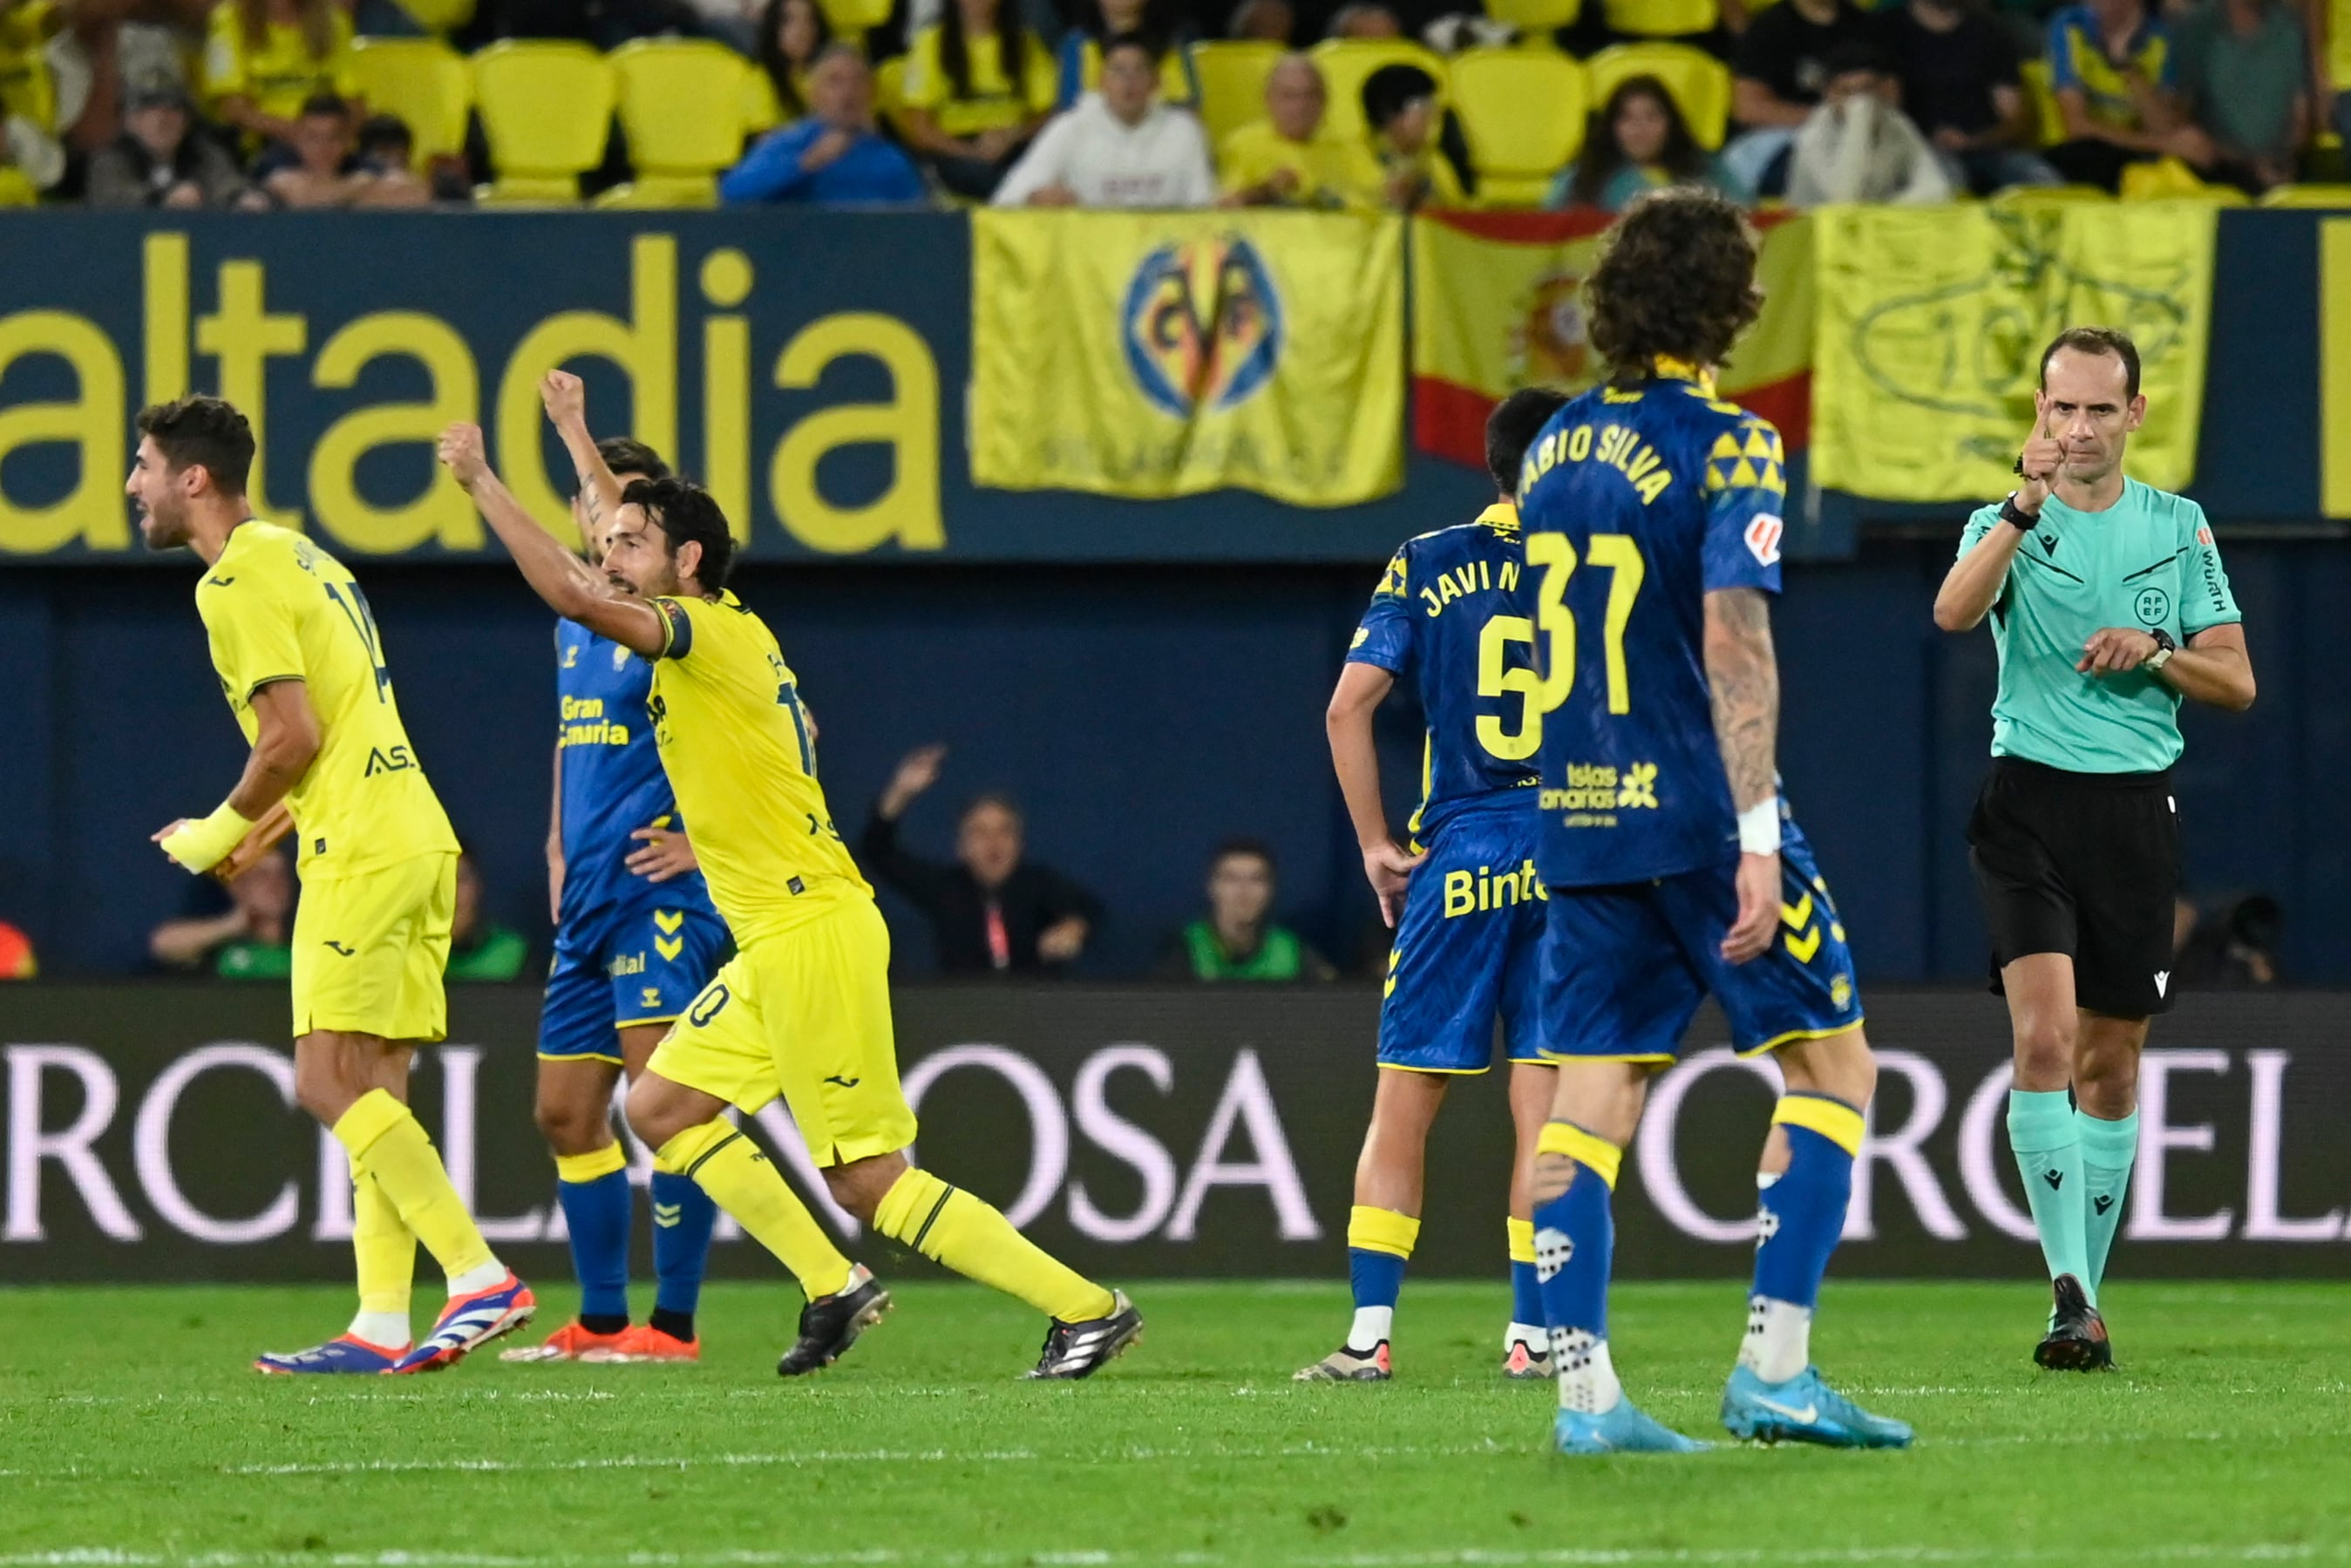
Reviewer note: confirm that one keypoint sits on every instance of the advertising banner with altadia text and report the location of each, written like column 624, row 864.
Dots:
column 1932, row 321
column 1168, row 354
column 1498, row 304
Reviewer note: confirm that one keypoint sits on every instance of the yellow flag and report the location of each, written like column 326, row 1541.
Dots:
column 1170, row 353
column 1932, row 321
column 1498, row 304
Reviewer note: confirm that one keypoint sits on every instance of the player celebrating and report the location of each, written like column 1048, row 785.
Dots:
column 803, row 1009
column 635, row 938
column 2109, row 606
column 303, row 669
column 1651, row 510
column 1469, row 946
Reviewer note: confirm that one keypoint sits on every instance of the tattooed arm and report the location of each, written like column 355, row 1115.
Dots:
column 600, row 493
column 1744, row 674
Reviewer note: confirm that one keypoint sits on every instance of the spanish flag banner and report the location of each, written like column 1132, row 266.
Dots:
column 1932, row 321
column 1156, row 354
column 1498, row 304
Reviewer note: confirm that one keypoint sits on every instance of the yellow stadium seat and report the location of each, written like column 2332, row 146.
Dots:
column 2043, row 97
column 1700, row 83
column 1232, row 75
column 547, row 110
column 2308, row 197
column 1346, row 63
column 681, row 102
column 890, row 89
column 1523, row 111
column 656, row 192
column 761, row 109
column 2169, row 179
column 1535, row 18
column 1660, row 19
column 439, row 16
column 852, row 18
column 425, row 82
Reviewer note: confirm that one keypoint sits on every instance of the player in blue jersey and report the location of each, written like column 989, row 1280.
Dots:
column 1464, row 897
column 635, row 940
column 1652, row 515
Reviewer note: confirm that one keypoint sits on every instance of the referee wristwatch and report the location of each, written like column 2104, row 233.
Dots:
column 2164, row 648
column 2016, row 516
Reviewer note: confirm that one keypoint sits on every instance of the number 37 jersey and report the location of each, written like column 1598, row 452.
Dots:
column 275, row 607
column 1638, row 501
column 1451, row 614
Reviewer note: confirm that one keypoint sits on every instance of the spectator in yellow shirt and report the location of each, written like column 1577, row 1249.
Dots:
column 1408, row 125
column 31, row 158
column 979, row 84
column 263, row 59
column 1291, row 158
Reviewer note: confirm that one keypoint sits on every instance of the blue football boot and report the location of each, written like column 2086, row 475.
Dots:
column 348, row 1353
column 1622, row 1430
column 1804, row 1409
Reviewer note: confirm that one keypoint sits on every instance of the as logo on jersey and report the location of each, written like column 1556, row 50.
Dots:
column 1202, row 325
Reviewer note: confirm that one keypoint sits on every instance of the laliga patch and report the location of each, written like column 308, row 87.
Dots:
column 2204, row 536
column 1763, row 531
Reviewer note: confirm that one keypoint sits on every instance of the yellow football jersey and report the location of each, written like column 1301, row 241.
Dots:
column 277, row 606
column 735, row 742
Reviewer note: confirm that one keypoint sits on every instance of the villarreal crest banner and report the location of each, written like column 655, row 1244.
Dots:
column 1498, row 304
column 1933, row 320
column 1151, row 355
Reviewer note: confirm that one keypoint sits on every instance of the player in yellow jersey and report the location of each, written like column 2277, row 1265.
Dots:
column 303, row 669
column 803, row 1009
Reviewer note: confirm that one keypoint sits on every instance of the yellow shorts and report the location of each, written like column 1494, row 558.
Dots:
column 804, row 1014
column 369, row 950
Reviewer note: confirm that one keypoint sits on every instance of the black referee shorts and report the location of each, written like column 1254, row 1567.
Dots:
column 2086, row 864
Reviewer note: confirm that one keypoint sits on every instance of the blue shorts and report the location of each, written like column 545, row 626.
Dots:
column 616, row 968
column 1624, row 967
column 1468, row 948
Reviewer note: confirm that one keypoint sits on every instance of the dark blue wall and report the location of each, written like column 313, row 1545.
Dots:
column 1142, row 714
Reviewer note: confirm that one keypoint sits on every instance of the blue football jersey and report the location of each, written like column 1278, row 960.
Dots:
column 1451, row 614
column 613, row 779
column 1637, row 502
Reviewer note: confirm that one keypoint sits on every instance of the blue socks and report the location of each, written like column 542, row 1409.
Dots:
column 1379, row 1244
column 2048, row 1146
column 1799, row 1215
column 1576, row 1240
column 682, row 1215
column 1526, row 1291
column 2107, row 1150
column 594, row 1191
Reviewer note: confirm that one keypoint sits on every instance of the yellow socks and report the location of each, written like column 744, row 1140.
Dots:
column 384, row 1247
column 951, row 1226
column 740, row 1180
column 388, row 1147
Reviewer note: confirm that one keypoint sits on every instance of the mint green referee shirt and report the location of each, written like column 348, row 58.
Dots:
column 2148, row 561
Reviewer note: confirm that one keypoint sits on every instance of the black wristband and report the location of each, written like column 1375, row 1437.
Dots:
column 2016, row 516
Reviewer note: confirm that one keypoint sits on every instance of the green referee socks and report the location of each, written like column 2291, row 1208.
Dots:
column 2107, row 1150
column 2042, row 1132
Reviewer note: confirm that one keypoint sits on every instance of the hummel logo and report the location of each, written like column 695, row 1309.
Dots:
column 2162, row 979
column 2056, row 1179
column 1806, row 1416
column 339, row 947
column 668, row 1215
column 845, row 1083
column 2102, row 1202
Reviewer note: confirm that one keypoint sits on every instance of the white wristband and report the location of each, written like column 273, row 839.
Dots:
column 1758, row 827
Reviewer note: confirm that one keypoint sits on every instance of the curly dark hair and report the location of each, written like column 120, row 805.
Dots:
column 1676, row 280
column 687, row 514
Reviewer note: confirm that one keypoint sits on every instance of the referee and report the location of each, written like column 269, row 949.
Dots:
column 2108, row 606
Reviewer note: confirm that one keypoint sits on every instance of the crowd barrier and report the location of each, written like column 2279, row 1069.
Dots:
column 870, row 385
column 151, row 1135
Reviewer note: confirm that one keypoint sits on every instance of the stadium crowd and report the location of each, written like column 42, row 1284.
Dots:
column 256, row 104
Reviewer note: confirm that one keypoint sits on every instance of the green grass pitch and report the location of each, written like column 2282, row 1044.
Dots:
column 131, row 1432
